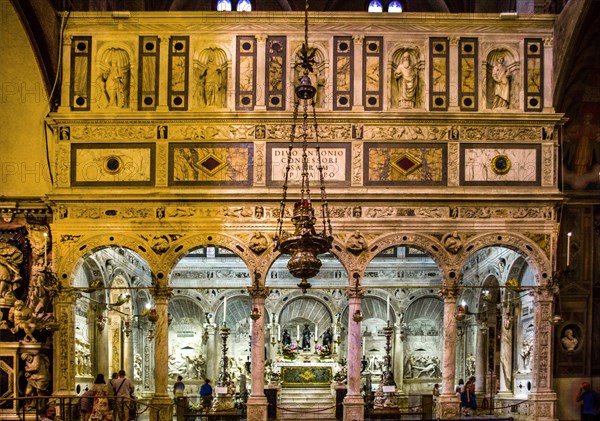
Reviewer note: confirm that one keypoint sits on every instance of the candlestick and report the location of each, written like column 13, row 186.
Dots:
column 316, row 333
column 225, row 311
column 569, row 248
column 45, row 249
column 388, row 309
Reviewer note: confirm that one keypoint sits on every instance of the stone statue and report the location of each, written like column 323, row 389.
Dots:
column 10, row 278
column 286, row 338
column 22, row 318
column 113, row 79
column 306, row 334
column 357, row 243
column 407, row 81
column 211, row 73
column 327, row 337
column 569, row 341
column 37, row 373
column 501, row 80
column 470, row 365
column 526, row 354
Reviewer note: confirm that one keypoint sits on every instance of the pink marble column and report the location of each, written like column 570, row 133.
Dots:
column 161, row 399
column 257, row 402
column 542, row 399
column 448, row 402
column 354, row 402
column 481, row 362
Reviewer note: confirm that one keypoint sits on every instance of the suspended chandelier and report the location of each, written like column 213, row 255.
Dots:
column 305, row 244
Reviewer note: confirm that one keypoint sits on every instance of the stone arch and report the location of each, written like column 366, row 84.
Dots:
column 429, row 244
column 69, row 260
column 531, row 252
column 183, row 247
column 338, row 250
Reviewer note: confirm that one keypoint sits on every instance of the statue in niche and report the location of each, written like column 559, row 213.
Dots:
column 407, row 84
column 286, row 338
column 526, row 354
column 569, row 341
column 37, row 373
column 210, row 73
column 10, row 260
column 306, row 335
column 470, row 365
column 501, row 80
column 318, row 75
column 23, row 319
column 113, row 78
column 327, row 337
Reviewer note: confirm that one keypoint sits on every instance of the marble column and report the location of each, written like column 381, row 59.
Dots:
column 128, row 353
column 63, row 367
column 257, row 402
column 358, row 73
column 354, row 402
column 399, row 358
column 161, row 399
column 481, row 361
column 448, row 402
column 506, row 352
column 542, row 399
column 212, row 352
column 261, row 76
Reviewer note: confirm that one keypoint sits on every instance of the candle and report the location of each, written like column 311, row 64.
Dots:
column 278, row 331
column 364, row 345
column 45, row 248
column 316, row 333
column 388, row 309
column 569, row 248
column 334, row 330
column 225, row 311
column 298, row 333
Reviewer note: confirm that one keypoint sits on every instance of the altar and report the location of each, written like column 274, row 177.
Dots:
column 305, row 373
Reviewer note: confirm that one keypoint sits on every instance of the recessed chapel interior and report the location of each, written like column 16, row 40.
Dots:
column 323, row 211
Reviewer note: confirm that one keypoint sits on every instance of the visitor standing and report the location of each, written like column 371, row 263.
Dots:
column 587, row 398
column 206, row 394
column 100, row 392
column 86, row 402
column 178, row 387
column 123, row 391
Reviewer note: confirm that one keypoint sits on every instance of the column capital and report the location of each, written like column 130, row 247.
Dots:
column 358, row 39
column 257, row 290
column 450, row 292
column 261, row 39
column 161, row 292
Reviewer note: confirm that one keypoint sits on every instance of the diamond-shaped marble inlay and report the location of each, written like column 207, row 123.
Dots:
column 211, row 164
column 406, row 163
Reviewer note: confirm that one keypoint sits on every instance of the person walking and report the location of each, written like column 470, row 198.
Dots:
column 123, row 391
column 587, row 398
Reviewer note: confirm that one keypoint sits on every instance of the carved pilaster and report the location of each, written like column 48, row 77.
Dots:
column 358, row 72
column 261, row 53
column 64, row 344
column 542, row 400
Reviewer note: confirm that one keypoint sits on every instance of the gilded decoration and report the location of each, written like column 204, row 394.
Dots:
column 387, row 165
column 217, row 164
